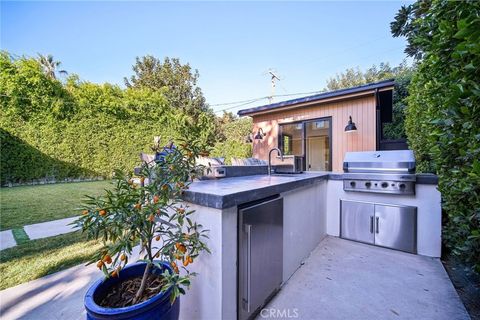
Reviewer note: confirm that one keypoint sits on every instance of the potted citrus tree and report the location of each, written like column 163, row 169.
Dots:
column 145, row 214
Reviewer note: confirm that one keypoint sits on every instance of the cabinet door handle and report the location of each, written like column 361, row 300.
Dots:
column 377, row 223
column 371, row 224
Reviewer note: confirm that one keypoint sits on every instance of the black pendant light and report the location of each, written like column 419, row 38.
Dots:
column 351, row 127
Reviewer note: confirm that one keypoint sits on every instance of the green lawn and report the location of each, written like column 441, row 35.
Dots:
column 38, row 258
column 32, row 204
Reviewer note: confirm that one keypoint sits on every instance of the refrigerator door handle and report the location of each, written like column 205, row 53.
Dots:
column 376, row 224
column 249, row 264
column 371, row 224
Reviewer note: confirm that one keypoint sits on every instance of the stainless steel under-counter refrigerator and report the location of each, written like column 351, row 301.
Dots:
column 260, row 254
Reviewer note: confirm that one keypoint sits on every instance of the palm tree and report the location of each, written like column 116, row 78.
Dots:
column 50, row 66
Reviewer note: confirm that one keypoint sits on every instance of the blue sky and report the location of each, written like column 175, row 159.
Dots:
column 232, row 44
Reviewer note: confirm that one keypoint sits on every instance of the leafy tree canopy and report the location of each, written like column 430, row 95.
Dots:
column 352, row 77
column 179, row 80
column 50, row 66
column 28, row 91
column 402, row 73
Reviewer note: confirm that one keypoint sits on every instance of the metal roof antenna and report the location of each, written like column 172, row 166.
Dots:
column 273, row 78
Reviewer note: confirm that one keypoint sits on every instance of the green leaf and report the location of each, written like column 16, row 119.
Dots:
column 470, row 66
column 476, row 166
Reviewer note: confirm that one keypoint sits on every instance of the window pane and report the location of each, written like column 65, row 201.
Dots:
column 317, row 128
column 291, row 136
column 318, row 145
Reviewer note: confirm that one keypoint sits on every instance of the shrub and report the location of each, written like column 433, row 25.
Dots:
column 443, row 114
column 396, row 128
column 80, row 129
column 231, row 138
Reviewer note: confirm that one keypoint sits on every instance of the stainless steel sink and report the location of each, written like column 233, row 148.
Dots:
column 286, row 170
column 290, row 165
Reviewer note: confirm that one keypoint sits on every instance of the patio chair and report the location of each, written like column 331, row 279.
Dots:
column 148, row 159
column 248, row 162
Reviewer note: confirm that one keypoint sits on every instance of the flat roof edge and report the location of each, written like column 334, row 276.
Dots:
column 293, row 103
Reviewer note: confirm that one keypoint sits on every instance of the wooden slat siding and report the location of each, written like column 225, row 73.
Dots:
column 323, row 101
column 337, row 142
column 369, row 123
column 361, row 109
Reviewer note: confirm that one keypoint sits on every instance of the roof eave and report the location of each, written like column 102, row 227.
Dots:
column 344, row 95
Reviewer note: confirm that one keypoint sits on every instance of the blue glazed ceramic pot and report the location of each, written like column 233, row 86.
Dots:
column 156, row 308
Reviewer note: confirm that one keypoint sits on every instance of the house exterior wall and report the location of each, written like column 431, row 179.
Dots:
column 362, row 110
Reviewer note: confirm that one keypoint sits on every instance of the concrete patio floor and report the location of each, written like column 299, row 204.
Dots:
column 58, row 296
column 340, row 280
column 348, row 280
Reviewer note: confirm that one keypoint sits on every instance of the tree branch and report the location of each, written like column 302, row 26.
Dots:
column 140, row 291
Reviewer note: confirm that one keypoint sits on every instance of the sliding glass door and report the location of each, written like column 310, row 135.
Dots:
column 309, row 139
column 291, row 141
column 317, row 145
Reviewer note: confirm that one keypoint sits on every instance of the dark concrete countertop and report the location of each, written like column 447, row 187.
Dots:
column 230, row 192
column 427, row 178
column 234, row 191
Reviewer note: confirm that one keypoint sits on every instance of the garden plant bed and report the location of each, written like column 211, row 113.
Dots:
column 123, row 293
column 466, row 283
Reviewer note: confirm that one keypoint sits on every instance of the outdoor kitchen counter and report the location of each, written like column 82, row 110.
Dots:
column 231, row 192
column 215, row 203
column 311, row 210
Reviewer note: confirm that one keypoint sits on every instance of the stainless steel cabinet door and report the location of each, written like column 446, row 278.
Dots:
column 356, row 221
column 396, row 227
column 260, row 255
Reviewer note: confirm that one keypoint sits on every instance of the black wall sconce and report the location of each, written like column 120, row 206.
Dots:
column 259, row 136
column 351, row 127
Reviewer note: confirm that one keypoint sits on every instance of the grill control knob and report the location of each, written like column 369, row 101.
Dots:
column 368, row 184
column 402, row 186
column 384, row 184
column 352, row 184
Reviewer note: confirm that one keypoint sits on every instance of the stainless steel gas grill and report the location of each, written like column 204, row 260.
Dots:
column 380, row 171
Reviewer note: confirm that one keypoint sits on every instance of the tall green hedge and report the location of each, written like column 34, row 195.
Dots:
column 80, row 129
column 443, row 114
column 233, row 143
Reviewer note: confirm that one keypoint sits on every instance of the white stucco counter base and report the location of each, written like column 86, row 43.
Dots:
column 311, row 205
column 213, row 293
